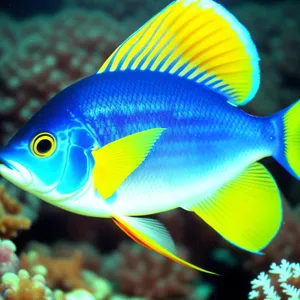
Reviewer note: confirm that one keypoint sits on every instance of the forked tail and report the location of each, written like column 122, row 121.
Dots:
column 288, row 128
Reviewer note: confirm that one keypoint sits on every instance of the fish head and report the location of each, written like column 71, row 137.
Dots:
column 51, row 156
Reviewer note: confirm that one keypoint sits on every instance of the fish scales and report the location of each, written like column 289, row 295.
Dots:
column 199, row 123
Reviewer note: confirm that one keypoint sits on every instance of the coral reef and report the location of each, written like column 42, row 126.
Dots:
column 41, row 56
column 125, row 10
column 45, row 275
column 282, row 282
column 30, row 204
column 10, row 220
column 9, row 261
column 22, row 286
column 59, row 272
column 140, row 272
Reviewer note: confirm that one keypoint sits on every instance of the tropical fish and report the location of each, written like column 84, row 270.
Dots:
column 159, row 127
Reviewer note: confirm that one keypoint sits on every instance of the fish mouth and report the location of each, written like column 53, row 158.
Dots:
column 15, row 173
column 20, row 176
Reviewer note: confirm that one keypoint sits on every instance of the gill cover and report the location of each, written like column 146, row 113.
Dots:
column 79, row 164
column 52, row 156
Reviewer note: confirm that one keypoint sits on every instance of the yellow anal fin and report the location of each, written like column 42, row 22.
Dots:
column 153, row 235
column 198, row 40
column 115, row 161
column 246, row 211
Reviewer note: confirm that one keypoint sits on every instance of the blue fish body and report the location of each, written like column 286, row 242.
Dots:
column 159, row 127
column 200, row 124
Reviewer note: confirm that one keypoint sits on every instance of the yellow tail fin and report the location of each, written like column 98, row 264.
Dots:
column 288, row 133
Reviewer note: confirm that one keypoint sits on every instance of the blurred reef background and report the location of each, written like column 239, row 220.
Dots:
column 47, row 253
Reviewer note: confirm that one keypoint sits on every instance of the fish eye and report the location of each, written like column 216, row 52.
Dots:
column 43, row 145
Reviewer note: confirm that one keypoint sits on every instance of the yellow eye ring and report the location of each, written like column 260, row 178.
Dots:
column 43, row 145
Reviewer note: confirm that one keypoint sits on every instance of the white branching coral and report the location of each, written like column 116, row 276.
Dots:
column 281, row 282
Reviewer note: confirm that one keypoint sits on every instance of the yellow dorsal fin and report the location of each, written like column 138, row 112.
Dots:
column 115, row 161
column 154, row 236
column 198, row 40
column 246, row 211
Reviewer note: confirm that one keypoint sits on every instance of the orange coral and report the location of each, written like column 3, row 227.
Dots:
column 63, row 273
column 24, row 287
column 10, row 220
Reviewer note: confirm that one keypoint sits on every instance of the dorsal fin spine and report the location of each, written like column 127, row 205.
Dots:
column 127, row 54
column 154, row 52
column 167, row 50
column 151, row 41
column 172, row 55
column 128, row 62
column 130, row 58
column 188, row 73
column 178, row 70
column 196, row 56
column 184, row 43
column 124, row 50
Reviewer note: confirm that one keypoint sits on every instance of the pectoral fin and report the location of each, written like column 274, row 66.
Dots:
column 246, row 211
column 152, row 235
column 116, row 161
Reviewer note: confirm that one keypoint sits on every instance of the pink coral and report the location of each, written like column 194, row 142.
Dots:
column 9, row 261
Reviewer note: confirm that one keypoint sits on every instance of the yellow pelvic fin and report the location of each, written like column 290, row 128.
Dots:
column 154, row 236
column 198, row 40
column 114, row 162
column 246, row 211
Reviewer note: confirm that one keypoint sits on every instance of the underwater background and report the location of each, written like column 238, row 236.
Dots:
column 47, row 45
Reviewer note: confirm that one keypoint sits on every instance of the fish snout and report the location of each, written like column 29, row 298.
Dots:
column 5, row 163
column 14, row 172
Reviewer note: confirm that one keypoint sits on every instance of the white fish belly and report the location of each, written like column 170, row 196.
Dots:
column 154, row 188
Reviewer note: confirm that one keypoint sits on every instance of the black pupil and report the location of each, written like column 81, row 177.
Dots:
column 44, row 146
